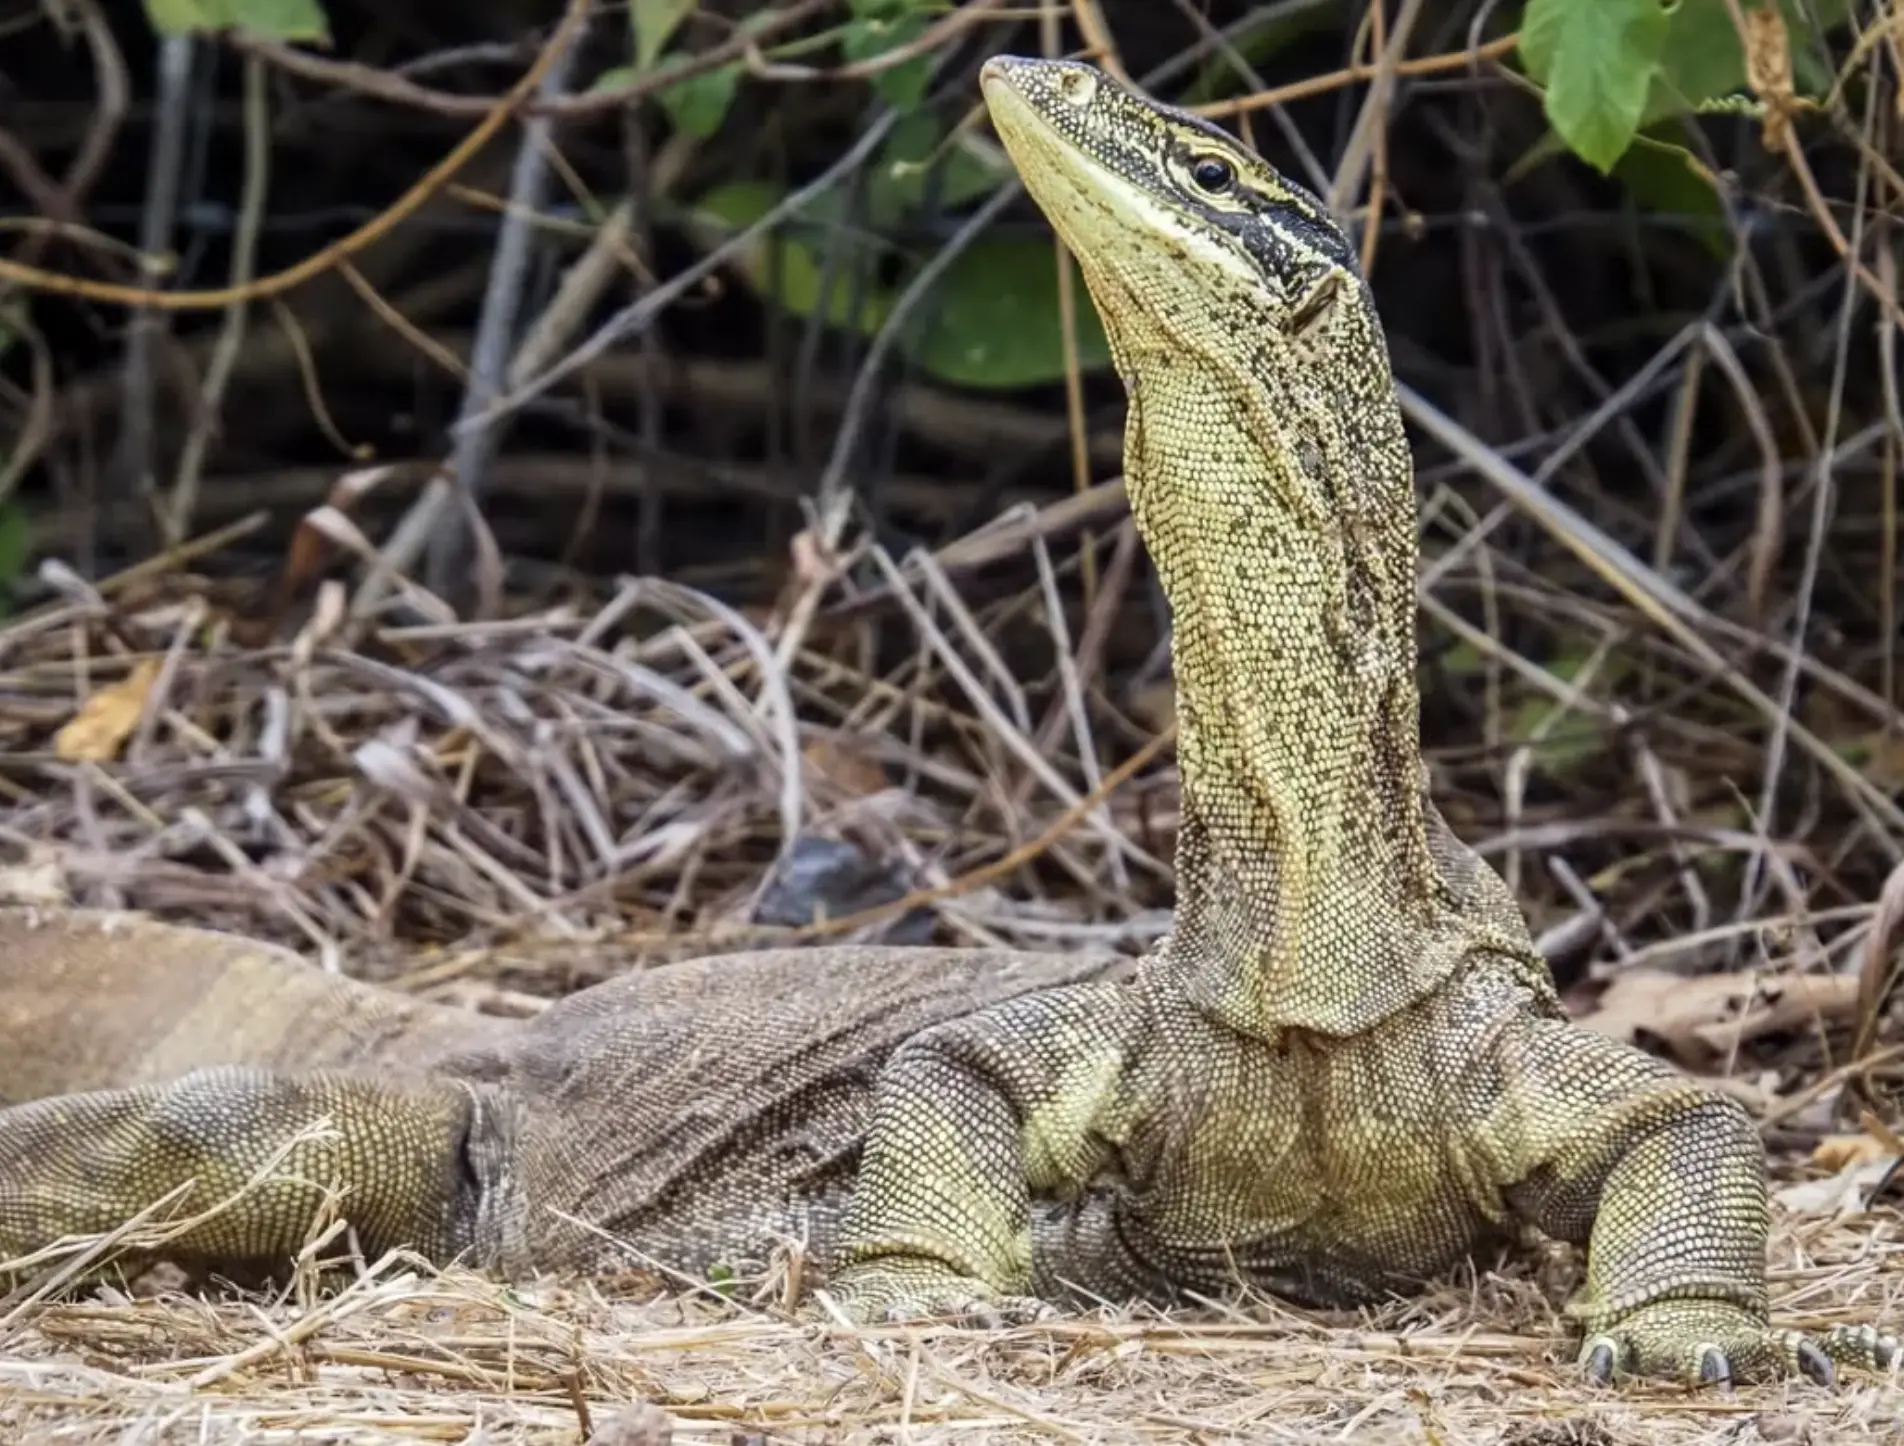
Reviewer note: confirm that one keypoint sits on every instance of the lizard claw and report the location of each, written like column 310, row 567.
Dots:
column 1714, row 1368
column 1816, row 1364
column 1597, row 1357
column 1864, row 1345
column 1714, row 1343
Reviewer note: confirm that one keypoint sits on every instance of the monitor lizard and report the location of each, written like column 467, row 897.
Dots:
column 1344, row 1069
column 1348, row 1062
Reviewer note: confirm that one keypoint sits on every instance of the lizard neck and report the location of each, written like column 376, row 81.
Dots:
column 1268, row 472
column 1308, row 894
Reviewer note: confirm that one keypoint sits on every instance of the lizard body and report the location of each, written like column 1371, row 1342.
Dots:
column 1345, row 1068
column 692, row 1115
column 1347, row 1064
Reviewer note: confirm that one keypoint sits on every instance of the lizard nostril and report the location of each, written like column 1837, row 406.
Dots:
column 1077, row 87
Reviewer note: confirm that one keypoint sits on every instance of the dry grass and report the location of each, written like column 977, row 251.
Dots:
column 404, row 1353
column 472, row 809
column 633, row 765
column 497, row 811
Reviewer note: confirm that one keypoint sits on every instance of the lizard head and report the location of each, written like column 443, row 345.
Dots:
column 1216, row 276
column 1166, row 211
column 1265, row 458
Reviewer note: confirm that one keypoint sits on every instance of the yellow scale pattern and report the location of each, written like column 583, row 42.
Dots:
column 1345, row 1068
column 1347, row 1065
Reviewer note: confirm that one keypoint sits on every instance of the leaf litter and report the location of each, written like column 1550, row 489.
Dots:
column 495, row 811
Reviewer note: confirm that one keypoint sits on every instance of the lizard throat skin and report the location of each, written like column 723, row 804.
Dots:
column 1270, row 478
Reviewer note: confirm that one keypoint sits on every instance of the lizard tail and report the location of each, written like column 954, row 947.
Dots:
column 98, row 999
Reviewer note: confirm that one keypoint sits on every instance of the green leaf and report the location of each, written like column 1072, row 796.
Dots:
column 1701, row 67
column 654, row 21
column 913, row 165
column 1573, row 738
column 1597, row 59
column 16, row 541
column 1664, row 178
column 615, row 78
column 1703, row 60
column 739, row 203
column 875, row 32
column 282, row 19
column 996, row 321
column 992, row 323
column 1458, row 660
column 16, row 547
column 698, row 104
column 789, row 266
column 288, row 20
column 177, row 17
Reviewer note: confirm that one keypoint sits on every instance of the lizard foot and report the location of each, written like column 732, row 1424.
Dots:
column 1703, row 1342
column 890, row 1293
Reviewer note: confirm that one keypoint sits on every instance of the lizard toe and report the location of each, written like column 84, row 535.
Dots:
column 1715, row 1343
column 1862, row 1347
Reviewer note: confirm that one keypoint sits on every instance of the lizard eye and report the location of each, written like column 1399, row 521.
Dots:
column 1212, row 174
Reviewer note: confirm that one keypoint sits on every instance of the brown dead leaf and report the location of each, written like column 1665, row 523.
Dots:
column 1701, row 1019
column 1835, row 1152
column 854, row 771
column 1768, row 70
column 97, row 732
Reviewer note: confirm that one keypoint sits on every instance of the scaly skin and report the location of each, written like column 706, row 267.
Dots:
column 1344, row 1070
column 1347, row 1065
column 693, row 1115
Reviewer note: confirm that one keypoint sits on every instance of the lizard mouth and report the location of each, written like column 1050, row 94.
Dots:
column 1012, row 90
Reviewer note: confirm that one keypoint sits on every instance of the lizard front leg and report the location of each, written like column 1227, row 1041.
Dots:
column 265, row 1144
column 972, row 1119
column 1663, row 1179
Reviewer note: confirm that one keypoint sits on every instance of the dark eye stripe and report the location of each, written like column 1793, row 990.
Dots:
column 1319, row 235
column 1264, row 211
